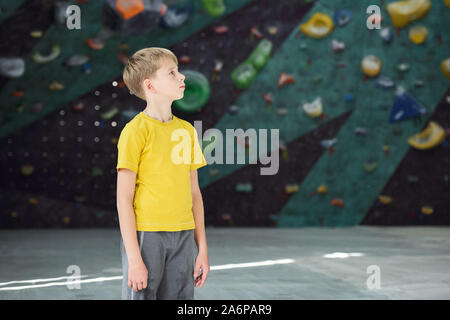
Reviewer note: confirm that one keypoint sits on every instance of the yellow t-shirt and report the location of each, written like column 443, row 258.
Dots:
column 155, row 151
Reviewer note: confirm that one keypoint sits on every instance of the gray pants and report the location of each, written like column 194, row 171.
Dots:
column 169, row 258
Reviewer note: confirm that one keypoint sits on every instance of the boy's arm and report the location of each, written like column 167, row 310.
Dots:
column 199, row 217
column 202, row 261
column 126, row 180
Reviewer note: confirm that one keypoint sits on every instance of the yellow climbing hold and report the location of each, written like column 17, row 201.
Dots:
column 322, row 189
column 427, row 210
column 371, row 66
column 404, row 12
column 384, row 199
column 291, row 188
column 318, row 26
column 447, row 3
column 445, row 67
column 430, row 137
column 418, row 34
column 313, row 109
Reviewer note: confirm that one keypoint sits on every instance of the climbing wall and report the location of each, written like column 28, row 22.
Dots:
column 320, row 72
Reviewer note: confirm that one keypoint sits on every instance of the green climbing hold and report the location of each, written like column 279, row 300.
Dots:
column 261, row 54
column 243, row 75
column 196, row 94
column 110, row 113
column 244, row 187
column 215, row 8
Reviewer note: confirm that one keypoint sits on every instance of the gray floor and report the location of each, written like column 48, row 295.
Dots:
column 413, row 263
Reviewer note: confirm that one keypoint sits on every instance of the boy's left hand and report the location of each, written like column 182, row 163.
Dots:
column 201, row 262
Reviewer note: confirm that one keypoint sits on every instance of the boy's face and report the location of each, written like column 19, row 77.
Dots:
column 168, row 82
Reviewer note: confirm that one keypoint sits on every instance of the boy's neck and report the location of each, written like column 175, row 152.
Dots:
column 158, row 114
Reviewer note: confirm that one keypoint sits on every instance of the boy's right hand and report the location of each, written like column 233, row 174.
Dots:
column 137, row 276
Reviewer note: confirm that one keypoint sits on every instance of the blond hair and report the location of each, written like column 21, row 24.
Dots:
column 144, row 64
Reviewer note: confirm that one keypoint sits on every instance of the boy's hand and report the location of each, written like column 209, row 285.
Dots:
column 201, row 262
column 137, row 276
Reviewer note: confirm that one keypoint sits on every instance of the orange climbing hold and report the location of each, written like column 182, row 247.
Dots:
column 129, row 8
column 285, row 78
column 336, row 202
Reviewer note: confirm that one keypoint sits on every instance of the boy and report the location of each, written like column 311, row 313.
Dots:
column 158, row 199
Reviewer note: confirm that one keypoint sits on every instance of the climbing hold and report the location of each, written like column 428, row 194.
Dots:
column 95, row 44
column 27, row 169
column 79, row 106
column 318, row 26
column 370, row 166
column 185, row 59
column 430, row 137
column 33, row 201
column 322, row 189
column 66, row 220
column 349, row 97
column 267, row 97
column 243, row 75
column 174, row 17
column 12, row 67
column 285, row 78
column 336, row 202
column 386, row 34
column 54, row 53
column 360, row 131
column 282, row 111
column 215, row 8
column 110, row 113
column 291, row 188
column 328, row 143
column 233, row 109
column 371, row 66
column 56, row 86
column 313, row 109
column 221, row 29
column 384, row 83
column 342, row 17
column 418, row 34
column 244, row 187
column 77, row 60
column 261, row 54
column 384, row 199
column 36, row 33
column 445, row 67
column 403, row 67
column 447, row 3
column 338, row 46
column 405, row 107
column 86, row 68
column 403, row 13
column 254, row 32
column 427, row 210
column 196, row 94
column 272, row 30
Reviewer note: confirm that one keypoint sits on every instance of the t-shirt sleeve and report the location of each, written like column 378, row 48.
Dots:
column 197, row 158
column 129, row 148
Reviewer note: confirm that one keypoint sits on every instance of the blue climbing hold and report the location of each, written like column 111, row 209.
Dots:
column 405, row 107
column 342, row 17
